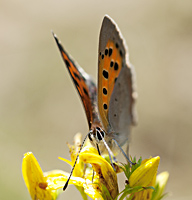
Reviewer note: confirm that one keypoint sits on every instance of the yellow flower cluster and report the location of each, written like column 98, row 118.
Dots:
column 142, row 182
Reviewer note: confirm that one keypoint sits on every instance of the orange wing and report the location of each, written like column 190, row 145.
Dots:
column 83, row 83
column 111, row 60
column 110, row 64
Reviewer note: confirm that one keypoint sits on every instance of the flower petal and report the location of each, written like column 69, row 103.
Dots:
column 144, row 174
column 93, row 191
column 107, row 175
column 34, row 178
column 161, row 182
column 65, row 160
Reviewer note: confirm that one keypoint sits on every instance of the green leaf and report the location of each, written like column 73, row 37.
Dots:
column 131, row 191
column 126, row 167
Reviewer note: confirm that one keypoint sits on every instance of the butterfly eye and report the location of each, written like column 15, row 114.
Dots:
column 89, row 136
column 100, row 134
column 103, row 133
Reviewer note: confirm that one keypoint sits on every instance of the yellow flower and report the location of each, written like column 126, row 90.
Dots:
column 48, row 185
column 100, row 184
column 107, row 175
column 37, row 182
column 145, row 176
column 104, row 174
column 161, row 182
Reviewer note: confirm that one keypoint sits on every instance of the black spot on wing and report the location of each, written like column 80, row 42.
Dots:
column 106, row 51
column 111, row 64
column 116, row 66
column 121, row 54
column 110, row 51
column 104, row 91
column 105, row 106
column 105, row 74
column 67, row 63
column 76, row 83
column 85, row 91
column 77, row 76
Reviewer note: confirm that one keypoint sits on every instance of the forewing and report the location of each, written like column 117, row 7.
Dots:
column 83, row 83
column 114, row 69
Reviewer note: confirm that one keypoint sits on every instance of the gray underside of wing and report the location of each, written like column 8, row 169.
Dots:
column 121, row 107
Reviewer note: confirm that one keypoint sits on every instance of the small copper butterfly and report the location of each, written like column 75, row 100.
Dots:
column 110, row 106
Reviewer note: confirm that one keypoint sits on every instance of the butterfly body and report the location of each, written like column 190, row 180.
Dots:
column 110, row 108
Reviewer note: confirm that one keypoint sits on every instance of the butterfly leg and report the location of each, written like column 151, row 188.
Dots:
column 98, row 150
column 125, row 155
column 127, row 150
column 108, row 149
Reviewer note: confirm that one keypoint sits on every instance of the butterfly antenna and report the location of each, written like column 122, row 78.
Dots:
column 109, row 150
column 67, row 182
column 124, row 153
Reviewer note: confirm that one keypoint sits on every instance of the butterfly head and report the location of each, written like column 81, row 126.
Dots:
column 101, row 140
column 96, row 135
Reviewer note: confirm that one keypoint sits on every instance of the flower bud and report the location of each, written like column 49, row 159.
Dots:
column 144, row 174
column 161, row 181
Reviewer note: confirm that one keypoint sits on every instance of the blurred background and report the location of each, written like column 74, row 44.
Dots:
column 40, row 109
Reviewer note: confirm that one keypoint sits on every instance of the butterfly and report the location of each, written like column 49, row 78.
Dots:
column 110, row 106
